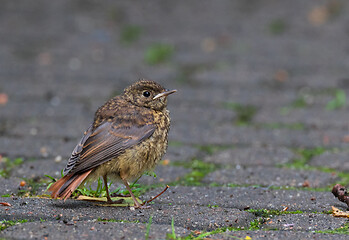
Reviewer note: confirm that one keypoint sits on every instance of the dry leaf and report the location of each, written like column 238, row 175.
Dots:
column 338, row 213
column 208, row 45
column 281, row 75
column 345, row 138
column 306, row 184
column 165, row 162
column 318, row 15
column 3, row 98
column 5, row 204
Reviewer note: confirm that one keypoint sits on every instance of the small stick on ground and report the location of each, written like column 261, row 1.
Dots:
column 145, row 202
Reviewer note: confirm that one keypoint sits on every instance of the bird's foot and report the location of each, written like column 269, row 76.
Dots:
column 120, row 195
column 141, row 205
column 109, row 201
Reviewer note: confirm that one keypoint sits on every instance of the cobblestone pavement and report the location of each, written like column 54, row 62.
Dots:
column 260, row 130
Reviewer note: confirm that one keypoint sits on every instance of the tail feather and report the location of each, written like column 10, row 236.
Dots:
column 65, row 186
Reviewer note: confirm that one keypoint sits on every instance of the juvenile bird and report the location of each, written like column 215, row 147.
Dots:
column 127, row 137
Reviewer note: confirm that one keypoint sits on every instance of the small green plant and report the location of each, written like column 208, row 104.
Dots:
column 244, row 113
column 31, row 187
column 265, row 213
column 211, row 149
column 277, row 26
column 116, row 220
column 8, row 223
column 342, row 230
column 305, row 154
column 279, row 125
column 88, row 191
column 172, row 235
column 299, row 102
column 338, row 102
column 8, row 164
column 130, row 34
column 100, row 191
column 148, row 227
column 212, row 206
column 199, row 170
column 158, row 53
column 256, row 224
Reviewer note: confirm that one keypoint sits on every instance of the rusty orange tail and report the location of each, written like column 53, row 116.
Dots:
column 65, row 186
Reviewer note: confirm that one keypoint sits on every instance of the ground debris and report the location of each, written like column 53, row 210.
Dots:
column 338, row 213
column 341, row 193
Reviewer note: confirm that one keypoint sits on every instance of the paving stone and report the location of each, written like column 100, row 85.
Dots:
column 35, row 147
column 41, row 109
column 228, row 134
column 250, row 197
column 271, row 176
column 165, row 174
column 252, row 156
column 183, row 152
column 39, row 168
column 304, row 222
column 54, row 127
column 335, row 160
column 187, row 216
column 89, row 230
column 318, row 118
column 9, row 186
column 262, row 234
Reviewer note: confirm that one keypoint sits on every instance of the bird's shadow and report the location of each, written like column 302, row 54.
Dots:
column 72, row 204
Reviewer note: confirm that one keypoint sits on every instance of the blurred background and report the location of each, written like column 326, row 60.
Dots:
column 251, row 73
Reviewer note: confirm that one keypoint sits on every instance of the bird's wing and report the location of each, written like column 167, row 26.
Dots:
column 104, row 143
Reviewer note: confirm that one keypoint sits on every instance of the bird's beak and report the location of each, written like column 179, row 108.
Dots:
column 164, row 94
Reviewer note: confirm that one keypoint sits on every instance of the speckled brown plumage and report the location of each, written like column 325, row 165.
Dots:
column 127, row 137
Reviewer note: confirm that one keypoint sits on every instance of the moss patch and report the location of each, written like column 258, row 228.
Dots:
column 158, row 53
column 199, row 170
column 8, row 223
column 342, row 230
column 130, row 34
column 244, row 113
column 7, row 165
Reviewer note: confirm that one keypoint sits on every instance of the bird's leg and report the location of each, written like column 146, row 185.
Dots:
column 137, row 204
column 107, row 190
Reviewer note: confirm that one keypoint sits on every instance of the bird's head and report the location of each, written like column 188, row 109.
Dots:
column 147, row 93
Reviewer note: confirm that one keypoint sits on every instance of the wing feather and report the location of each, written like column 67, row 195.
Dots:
column 104, row 143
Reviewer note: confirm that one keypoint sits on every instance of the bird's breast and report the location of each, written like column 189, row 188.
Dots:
column 143, row 156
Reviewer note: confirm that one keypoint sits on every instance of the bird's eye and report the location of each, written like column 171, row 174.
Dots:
column 146, row 94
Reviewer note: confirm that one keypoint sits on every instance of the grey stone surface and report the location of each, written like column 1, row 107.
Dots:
column 252, row 156
column 165, row 174
column 9, row 186
column 250, row 197
column 304, row 222
column 187, row 216
column 33, row 168
column 61, row 60
column 90, row 230
column 276, row 235
column 336, row 160
column 310, row 118
column 271, row 176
